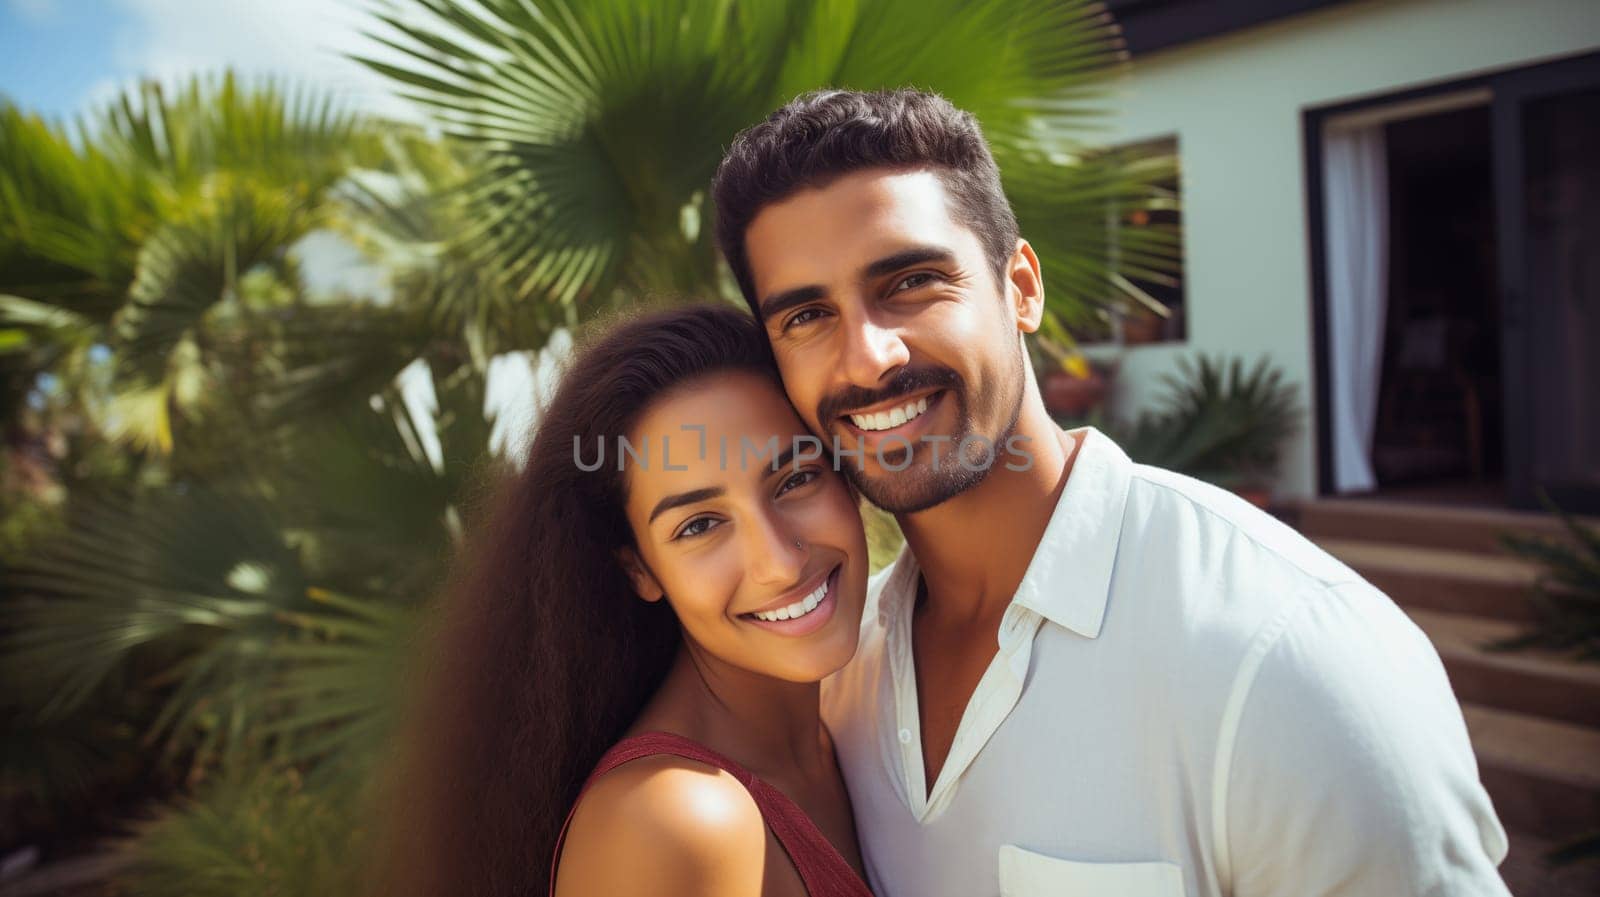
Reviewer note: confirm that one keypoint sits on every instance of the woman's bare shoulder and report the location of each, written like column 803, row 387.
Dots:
column 664, row 825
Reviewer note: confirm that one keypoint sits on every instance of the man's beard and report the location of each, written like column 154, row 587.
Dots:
column 920, row 485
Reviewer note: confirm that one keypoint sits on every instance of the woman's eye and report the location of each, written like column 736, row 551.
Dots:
column 694, row 528
column 800, row 478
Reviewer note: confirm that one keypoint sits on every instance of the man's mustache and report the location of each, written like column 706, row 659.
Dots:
column 905, row 382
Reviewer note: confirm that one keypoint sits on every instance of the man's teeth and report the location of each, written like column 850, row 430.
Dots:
column 883, row 420
column 798, row 609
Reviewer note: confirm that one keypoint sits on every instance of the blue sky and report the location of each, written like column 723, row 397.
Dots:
column 63, row 57
column 53, row 55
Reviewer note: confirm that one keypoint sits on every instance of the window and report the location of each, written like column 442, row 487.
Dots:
column 1146, row 245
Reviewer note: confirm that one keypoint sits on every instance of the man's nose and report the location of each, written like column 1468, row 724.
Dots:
column 872, row 351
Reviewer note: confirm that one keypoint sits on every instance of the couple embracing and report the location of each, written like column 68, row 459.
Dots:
column 665, row 671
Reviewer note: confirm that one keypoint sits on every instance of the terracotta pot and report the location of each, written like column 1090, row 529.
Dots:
column 1071, row 396
column 1143, row 327
column 1256, row 495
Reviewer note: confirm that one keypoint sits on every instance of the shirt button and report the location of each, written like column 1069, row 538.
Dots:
column 883, row 619
column 905, row 736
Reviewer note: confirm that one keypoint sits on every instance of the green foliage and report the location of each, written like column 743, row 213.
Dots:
column 1219, row 422
column 131, row 232
column 245, row 595
column 257, row 829
column 884, row 539
column 55, row 773
column 1567, row 593
column 602, row 123
column 273, row 603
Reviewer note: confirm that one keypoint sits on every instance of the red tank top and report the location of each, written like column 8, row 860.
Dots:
column 823, row 870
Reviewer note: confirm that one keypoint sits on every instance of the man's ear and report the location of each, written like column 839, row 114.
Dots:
column 644, row 582
column 1025, row 288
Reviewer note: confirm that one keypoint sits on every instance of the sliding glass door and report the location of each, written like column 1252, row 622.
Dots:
column 1546, row 131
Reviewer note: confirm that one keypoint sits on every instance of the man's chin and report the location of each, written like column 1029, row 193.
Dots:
column 914, row 489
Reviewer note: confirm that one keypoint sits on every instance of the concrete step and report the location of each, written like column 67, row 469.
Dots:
column 1483, row 585
column 1474, row 530
column 1536, row 683
column 1543, row 775
column 1528, row 874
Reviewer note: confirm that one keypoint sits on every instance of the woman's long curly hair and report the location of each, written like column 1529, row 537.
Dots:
column 541, row 655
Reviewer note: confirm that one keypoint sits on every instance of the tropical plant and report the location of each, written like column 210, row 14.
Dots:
column 1567, row 593
column 602, row 122
column 1219, row 422
column 1566, row 601
column 249, row 589
column 257, row 830
column 271, row 604
column 133, row 234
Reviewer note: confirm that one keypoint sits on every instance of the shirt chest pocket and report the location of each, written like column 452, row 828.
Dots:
column 1024, row 873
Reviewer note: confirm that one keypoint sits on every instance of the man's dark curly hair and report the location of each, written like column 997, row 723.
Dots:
column 820, row 136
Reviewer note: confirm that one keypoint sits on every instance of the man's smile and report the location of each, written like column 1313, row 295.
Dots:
column 886, row 424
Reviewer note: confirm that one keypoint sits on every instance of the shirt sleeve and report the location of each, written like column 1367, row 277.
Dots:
column 1351, row 772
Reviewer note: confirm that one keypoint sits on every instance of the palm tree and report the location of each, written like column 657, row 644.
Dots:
column 603, row 121
column 136, row 233
column 246, row 600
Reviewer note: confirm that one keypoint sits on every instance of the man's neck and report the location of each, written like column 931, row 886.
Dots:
column 974, row 549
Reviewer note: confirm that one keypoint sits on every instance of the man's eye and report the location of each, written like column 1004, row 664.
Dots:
column 800, row 478
column 693, row 528
column 803, row 316
column 912, row 281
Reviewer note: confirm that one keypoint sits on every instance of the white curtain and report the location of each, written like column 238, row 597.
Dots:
column 1355, row 182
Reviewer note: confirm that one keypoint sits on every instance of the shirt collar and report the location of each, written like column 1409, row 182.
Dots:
column 1068, row 582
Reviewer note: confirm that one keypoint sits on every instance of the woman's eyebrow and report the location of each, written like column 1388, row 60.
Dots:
column 683, row 498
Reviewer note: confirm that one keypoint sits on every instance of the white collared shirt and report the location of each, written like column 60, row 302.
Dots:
column 1188, row 698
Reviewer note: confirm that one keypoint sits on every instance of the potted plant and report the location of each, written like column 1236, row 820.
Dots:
column 1074, row 389
column 1072, row 386
column 1222, row 423
column 1142, row 326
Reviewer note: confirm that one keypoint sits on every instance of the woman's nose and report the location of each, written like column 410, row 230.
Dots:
column 777, row 558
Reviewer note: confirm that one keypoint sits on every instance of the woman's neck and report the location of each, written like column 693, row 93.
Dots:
column 764, row 723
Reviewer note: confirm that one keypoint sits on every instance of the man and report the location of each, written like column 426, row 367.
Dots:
column 1083, row 675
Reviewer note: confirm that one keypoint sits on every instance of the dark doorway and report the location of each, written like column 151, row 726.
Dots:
column 1547, row 187
column 1440, row 429
column 1489, row 380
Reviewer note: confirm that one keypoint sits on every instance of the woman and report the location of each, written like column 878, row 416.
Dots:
column 647, row 624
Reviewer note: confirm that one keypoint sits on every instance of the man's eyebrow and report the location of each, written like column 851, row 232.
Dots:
column 681, row 499
column 778, row 303
column 905, row 258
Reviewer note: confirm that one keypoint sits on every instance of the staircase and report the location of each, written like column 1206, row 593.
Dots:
column 1534, row 717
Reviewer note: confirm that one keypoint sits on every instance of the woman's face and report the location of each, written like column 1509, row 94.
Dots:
column 766, row 569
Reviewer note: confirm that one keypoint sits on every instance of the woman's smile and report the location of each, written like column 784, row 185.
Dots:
column 803, row 616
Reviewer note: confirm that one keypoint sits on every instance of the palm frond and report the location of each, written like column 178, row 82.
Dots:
column 1566, row 596
column 601, row 123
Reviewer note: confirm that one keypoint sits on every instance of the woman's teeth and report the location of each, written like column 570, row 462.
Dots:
column 884, row 420
column 798, row 609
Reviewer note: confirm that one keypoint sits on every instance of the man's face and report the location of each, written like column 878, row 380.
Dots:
column 892, row 333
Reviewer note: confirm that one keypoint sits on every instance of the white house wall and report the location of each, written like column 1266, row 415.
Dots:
column 1236, row 103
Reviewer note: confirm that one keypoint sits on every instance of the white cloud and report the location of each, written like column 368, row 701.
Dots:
column 304, row 40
